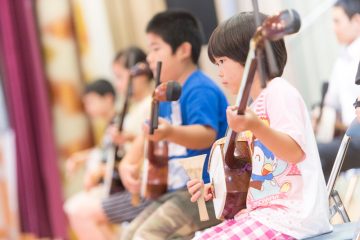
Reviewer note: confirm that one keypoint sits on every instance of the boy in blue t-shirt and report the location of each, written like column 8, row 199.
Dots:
column 190, row 126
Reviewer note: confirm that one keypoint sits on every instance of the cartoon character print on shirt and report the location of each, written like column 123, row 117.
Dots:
column 265, row 169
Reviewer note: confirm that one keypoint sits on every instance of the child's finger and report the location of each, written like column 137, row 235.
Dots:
column 192, row 182
column 208, row 196
column 230, row 112
column 196, row 196
column 233, row 108
column 195, row 188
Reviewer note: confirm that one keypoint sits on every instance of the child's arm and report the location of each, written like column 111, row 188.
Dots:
column 76, row 160
column 129, row 166
column 93, row 176
column 190, row 136
column 120, row 138
column 281, row 144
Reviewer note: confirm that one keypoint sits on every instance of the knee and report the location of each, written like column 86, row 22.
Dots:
column 76, row 207
column 130, row 233
column 137, row 230
column 71, row 206
column 139, row 234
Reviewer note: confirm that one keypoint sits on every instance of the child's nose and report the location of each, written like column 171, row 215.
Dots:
column 220, row 73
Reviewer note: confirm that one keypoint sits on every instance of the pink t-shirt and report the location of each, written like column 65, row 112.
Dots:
column 290, row 198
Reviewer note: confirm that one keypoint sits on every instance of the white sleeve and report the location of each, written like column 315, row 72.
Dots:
column 332, row 95
column 287, row 112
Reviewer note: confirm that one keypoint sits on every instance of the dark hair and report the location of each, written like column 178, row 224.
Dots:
column 176, row 27
column 232, row 38
column 101, row 87
column 351, row 7
column 130, row 56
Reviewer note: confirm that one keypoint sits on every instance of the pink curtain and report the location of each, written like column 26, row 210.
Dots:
column 26, row 92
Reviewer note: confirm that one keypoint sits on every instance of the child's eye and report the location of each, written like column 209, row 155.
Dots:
column 154, row 49
column 219, row 62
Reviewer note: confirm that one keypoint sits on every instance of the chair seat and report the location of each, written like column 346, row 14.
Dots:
column 341, row 231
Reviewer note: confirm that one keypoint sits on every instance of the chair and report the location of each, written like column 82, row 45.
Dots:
column 347, row 230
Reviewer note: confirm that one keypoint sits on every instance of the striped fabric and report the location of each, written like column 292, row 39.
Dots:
column 118, row 207
column 245, row 228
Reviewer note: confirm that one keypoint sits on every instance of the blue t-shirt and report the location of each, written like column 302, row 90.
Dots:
column 201, row 102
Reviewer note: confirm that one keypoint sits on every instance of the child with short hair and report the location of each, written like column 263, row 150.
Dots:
column 190, row 125
column 90, row 212
column 99, row 103
column 287, row 194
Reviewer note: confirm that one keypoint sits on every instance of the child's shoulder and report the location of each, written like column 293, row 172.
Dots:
column 199, row 80
column 198, row 77
column 279, row 92
column 280, row 86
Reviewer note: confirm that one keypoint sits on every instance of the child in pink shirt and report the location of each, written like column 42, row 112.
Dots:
column 287, row 194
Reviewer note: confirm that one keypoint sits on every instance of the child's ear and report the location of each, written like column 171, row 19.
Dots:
column 184, row 50
column 356, row 18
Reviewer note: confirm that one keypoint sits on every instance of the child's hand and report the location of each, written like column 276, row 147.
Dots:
column 93, row 177
column 161, row 133
column 240, row 123
column 75, row 161
column 119, row 138
column 129, row 174
column 194, row 187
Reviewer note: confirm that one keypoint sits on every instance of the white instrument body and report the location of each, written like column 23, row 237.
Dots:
column 217, row 176
column 109, row 168
column 230, row 185
column 112, row 183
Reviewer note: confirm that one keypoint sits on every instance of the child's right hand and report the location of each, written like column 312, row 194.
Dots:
column 92, row 177
column 119, row 138
column 161, row 133
column 75, row 161
column 240, row 123
column 194, row 187
column 129, row 174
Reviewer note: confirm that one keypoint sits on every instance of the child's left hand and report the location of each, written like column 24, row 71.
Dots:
column 93, row 177
column 129, row 174
column 240, row 123
column 119, row 138
column 161, row 133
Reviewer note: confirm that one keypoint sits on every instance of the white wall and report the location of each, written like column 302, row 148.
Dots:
column 97, row 60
